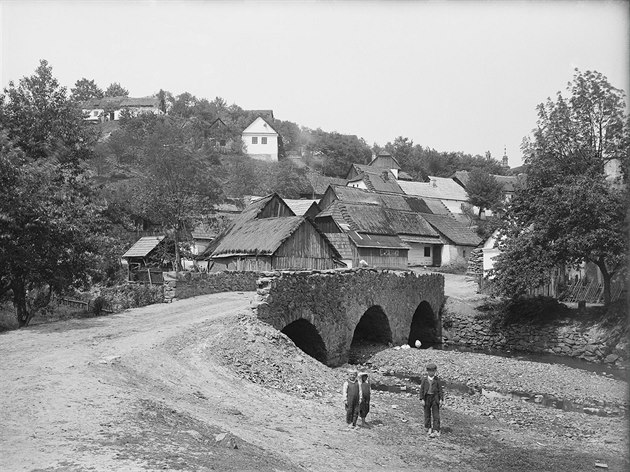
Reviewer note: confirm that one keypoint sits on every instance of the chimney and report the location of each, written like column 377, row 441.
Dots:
column 433, row 183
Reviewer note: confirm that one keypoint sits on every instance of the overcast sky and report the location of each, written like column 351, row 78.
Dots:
column 453, row 76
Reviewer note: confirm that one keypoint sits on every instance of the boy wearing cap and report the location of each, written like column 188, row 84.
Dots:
column 432, row 394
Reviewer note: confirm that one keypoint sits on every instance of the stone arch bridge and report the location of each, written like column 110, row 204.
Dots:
column 323, row 312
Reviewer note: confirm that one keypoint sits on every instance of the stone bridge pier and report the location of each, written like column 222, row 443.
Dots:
column 323, row 312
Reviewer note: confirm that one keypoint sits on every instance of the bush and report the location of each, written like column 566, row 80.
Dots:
column 122, row 297
column 533, row 310
column 98, row 305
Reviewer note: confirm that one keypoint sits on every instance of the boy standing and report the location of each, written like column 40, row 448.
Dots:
column 432, row 394
column 364, row 404
column 352, row 396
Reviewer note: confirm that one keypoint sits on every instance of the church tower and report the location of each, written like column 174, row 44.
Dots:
column 504, row 161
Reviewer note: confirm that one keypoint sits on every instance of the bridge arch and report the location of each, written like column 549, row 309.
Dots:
column 373, row 326
column 305, row 336
column 425, row 327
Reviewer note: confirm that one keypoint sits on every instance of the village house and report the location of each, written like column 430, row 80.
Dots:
column 382, row 162
column 261, row 140
column 441, row 189
column 97, row 110
column 268, row 235
column 433, row 236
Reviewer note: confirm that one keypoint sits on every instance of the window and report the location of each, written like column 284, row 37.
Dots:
column 263, row 140
column 464, row 253
column 254, row 139
column 222, row 142
column 427, row 251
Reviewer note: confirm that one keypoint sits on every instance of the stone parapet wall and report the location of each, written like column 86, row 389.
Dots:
column 589, row 342
column 180, row 285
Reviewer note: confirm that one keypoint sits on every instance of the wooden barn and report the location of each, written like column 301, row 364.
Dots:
column 268, row 236
column 142, row 261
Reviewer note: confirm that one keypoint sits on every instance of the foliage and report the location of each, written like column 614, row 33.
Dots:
column 178, row 185
column 538, row 310
column 569, row 212
column 484, row 191
column 48, row 229
column 339, row 151
column 42, row 122
column 420, row 162
column 116, row 90
column 85, row 89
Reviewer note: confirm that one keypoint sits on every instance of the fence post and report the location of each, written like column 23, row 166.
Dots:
column 149, row 272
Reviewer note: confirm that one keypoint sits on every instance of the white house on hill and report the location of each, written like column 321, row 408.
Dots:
column 261, row 141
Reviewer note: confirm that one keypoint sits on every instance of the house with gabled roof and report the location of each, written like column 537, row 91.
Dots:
column 383, row 237
column 383, row 161
column 458, row 239
column 261, row 140
column 382, row 181
column 445, row 190
column 96, row 110
column 267, row 235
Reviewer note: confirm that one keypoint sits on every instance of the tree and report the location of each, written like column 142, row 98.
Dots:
column 484, row 191
column 116, row 90
column 569, row 212
column 48, row 227
column 85, row 89
column 42, row 122
column 178, row 187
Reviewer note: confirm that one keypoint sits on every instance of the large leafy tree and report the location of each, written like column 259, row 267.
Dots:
column 85, row 89
column 47, row 218
column 484, row 191
column 48, row 227
column 570, row 211
column 41, row 121
column 116, row 90
column 178, row 187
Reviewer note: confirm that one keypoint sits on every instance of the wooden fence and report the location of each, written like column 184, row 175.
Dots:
column 146, row 276
column 79, row 304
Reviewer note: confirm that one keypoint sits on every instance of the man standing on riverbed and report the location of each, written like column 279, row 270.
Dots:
column 352, row 397
column 432, row 394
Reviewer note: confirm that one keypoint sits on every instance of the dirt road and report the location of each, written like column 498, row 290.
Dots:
column 201, row 385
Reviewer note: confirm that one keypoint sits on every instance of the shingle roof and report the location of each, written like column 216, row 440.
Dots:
column 263, row 237
column 436, row 206
column 120, row 102
column 376, row 219
column 377, row 241
column 258, row 237
column 300, row 207
column 143, row 246
column 438, row 187
column 320, row 182
column 380, row 181
column 454, row 230
column 385, row 160
column 396, row 202
column 341, row 243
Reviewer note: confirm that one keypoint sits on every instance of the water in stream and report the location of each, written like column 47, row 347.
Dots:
column 411, row 384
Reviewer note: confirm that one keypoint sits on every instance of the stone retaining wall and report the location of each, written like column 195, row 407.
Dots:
column 180, row 285
column 589, row 342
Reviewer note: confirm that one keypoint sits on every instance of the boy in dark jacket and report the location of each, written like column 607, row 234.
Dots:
column 432, row 394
